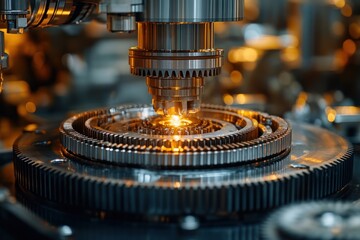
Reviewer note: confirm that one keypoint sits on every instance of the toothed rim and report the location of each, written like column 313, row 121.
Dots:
column 236, row 147
column 101, row 187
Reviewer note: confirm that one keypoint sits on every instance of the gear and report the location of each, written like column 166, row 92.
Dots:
column 314, row 220
column 238, row 136
column 175, row 64
column 320, row 164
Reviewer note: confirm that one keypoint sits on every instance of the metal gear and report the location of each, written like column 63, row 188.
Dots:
column 314, row 220
column 175, row 65
column 319, row 164
column 225, row 136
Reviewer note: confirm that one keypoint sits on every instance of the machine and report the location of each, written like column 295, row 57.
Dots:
column 177, row 167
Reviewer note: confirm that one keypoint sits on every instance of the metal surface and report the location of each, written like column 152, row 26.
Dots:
column 14, row 14
column 193, row 10
column 172, row 52
column 320, row 164
column 219, row 136
column 176, row 37
column 314, row 220
column 45, row 13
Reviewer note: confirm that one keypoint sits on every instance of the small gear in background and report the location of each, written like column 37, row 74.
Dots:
column 314, row 220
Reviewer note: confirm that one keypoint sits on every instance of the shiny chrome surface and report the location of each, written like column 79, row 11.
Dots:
column 175, row 95
column 172, row 53
column 193, row 10
column 216, row 136
column 44, row 13
column 319, row 164
column 175, row 37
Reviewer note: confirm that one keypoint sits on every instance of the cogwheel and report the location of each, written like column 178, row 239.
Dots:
column 175, row 64
column 181, row 73
column 319, row 164
column 224, row 136
column 314, row 220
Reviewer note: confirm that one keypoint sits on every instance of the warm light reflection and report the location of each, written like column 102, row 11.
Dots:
column 240, row 98
column 349, row 46
column 30, row 107
column 338, row 3
column 236, row 77
column 228, row 99
column 331, row 114
column 243, row 54
column 290, row 54
column 354, row 30
column 313, row 160
column 346, row 11
column 175, row 121
column 341, row 59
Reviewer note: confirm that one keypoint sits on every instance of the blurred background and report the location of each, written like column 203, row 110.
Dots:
column 294, row 58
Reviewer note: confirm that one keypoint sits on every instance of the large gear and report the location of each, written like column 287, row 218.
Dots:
column 235, row 136
column 314, row 221
column 319, row 165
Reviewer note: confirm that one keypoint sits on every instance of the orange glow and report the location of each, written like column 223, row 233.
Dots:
column 236, row 77
column 313, row 160
column 339, row 3
column 348, row 110
column 174, row 121
column 243, row 54
column 30, row 107
column 341, row 59
column 271, row 177
column 266, row 42
column 354, row 30
column 346, row 11
column 331, row 114
column 301, row 100
column 240, row 98
column 251, row 9
column 290, row 54
column 220, row 27
column 349, row 46
column 228, row 99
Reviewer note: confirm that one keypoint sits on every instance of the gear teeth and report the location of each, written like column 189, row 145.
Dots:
column 98, row 187
column 175, row 73
column 240, row 146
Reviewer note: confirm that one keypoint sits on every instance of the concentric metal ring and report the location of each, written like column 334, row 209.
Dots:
column 175, row 64
column 240, row 136
column 320, row 164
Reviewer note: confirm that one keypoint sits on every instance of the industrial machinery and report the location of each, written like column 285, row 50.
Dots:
column 178, row 166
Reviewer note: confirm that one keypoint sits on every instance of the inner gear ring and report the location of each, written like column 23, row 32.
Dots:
column 222, row 136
